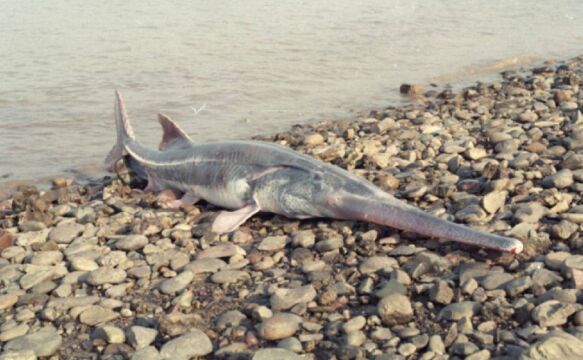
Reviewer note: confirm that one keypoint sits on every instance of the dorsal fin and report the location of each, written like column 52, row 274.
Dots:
column 173, row 134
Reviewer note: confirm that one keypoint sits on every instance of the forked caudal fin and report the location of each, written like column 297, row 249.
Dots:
column 173, row 134
column 399, row 215
column 124, row 131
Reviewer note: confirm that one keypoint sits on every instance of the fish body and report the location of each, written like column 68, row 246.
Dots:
column 251, row 176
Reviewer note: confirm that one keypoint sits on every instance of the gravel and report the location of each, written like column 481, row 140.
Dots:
column 99, row 270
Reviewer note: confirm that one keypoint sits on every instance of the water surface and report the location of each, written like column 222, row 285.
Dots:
column 233, row 69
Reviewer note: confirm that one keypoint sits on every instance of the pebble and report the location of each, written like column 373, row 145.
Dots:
column 44, row 342
column 65, row 232
column 354, row 324
column 221, row 251
column 441, row 293
column 47, row 258
column 275, row 353
column 279, row 326
column 395, row 309
column 110, row 334
column 560, row 180
column 205, row 265
column 552, row 313
column 141, row 337
column 378, row 263
column 494, row 201
column 284, row 299
column 96, row 314
column 106, row 275
column 82, row 263
column 229, row 276
column 32, row 237
column 305, row 239
column 18, row 355
column 177, row 283
column 147, row 353
column 192, row 344
column 7, row 301
column 291, row 344
column 529, row 212
column 458, row 310
column 556, row 345
column 12, row 333
column 272, row 243
column 131, row 242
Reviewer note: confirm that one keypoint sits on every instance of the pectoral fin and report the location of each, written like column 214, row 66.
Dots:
column 228, row 221
column 186, row 199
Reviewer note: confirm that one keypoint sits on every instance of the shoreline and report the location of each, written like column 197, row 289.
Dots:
column 101, row 270
column 456, row 80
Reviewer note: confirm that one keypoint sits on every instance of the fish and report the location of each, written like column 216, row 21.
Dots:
column 246, row 177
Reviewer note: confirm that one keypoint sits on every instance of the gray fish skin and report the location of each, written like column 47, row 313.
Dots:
column 252, row 176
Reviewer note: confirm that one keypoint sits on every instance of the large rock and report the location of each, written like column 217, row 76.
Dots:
column 552, row 313
column 44, row 342
column 556, row 345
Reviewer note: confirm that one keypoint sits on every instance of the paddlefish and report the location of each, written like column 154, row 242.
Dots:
column 247, row 177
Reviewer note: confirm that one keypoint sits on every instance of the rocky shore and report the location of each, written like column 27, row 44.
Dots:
column 104, row 271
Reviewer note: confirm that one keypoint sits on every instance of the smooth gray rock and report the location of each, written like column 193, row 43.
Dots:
column 44, row 342
column 187, row 346
column 276, row 353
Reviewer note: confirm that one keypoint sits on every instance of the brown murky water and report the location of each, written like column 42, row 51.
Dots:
column 232, row 69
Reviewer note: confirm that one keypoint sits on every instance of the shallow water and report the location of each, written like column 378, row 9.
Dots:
column 229, row 69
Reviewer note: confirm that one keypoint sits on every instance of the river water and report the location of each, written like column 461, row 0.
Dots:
column 234, row 69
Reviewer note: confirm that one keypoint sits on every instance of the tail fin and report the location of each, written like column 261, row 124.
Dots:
column 124, row 131
column 396, row 214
